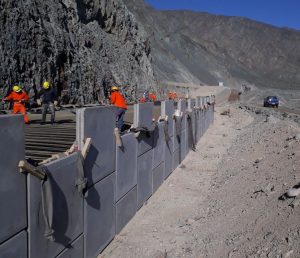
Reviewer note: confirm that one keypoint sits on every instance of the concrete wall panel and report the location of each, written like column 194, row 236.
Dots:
column 13, row 216
column 202, row 124
column 75, row 250
column 67, row 207
column 126, row 165
column 145, row 142
column 182, row 106
column 98, row 123
column 191, row 131
column 158, row 176
column 176, row 141
column 176, row 159
column 191, row 103
column 197, row 124
column 169, row 157
column 15, row 247
column 99, row 216
column 183, row 146
column 126, row 209
column 198, row 101
column 168, row 109
column 143, row 115
column 158, row 145
column 144, row 170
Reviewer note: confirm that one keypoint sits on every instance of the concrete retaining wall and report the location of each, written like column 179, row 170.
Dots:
column 53, row 218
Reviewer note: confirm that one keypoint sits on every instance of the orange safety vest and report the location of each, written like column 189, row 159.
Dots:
column 118, row 100
column 152, row 96
column 18, row 106
column 16, row 97
column 142, row 99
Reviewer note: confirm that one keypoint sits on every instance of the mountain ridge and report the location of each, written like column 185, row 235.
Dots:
column 232, row 49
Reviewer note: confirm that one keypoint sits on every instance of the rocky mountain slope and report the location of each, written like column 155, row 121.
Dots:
column 81, row 46
column 199, row 47
column 85, row 46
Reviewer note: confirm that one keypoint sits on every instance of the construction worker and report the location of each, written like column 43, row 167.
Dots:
column 172, row 95
column 142, row 99
column 18, row 97
column 48, row 100
column 119, row 102
column 152, row 96
column 145, row 97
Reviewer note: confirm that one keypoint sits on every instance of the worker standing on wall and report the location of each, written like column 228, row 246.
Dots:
column 48, row 100
column 18, row 97
column 152, row 96
column 119, row 102
column 172, row 95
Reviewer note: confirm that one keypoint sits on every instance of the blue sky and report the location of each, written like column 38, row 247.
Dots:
column 281, row 13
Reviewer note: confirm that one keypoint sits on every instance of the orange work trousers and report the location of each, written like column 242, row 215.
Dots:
column 20, row 108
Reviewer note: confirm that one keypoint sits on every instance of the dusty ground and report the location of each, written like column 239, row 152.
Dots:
column 224, row 200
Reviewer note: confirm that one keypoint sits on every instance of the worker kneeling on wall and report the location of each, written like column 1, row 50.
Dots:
column 48, row 100
column 119, row 102
column 19, row 97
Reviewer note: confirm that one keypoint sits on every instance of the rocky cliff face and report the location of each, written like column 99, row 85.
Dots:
column 193, row 47
column 81, row 46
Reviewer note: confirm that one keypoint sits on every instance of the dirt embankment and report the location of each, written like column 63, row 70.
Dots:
column 224, row 200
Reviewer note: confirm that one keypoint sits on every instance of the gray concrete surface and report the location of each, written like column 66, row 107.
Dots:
column 13, row 215
column 99, row 216
column 143, row 115
column 67, row 209
column 167, row 110
column 158, row 176
column 126, row 165
column 168, row 157
column 101, row 159
column 126, row 209
column 15, row 247
column 158, row 145
column 74, row 250
column 145, row 142
column 144, row 177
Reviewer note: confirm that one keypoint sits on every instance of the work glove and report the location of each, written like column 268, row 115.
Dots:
column 55, row 103
column 39, row 102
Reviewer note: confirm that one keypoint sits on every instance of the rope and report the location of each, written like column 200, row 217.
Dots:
column 81, row 182
column 47, row 205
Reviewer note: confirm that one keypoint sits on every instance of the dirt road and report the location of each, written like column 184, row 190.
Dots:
column 223, row 201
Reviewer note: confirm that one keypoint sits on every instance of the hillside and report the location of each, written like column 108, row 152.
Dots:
column 82, row 47
column 192, row 47
column 85, row 46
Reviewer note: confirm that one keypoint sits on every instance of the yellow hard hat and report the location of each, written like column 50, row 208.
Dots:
column 46, row 85
column 17, row 88
column 114, row 88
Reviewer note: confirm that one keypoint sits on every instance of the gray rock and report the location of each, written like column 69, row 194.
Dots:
column 82, row 47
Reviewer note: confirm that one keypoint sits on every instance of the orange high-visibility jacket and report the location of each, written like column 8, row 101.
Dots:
column 118, row 100
column 14, row 96
column 172, row 95
column 142, row 99
column 152, row 96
